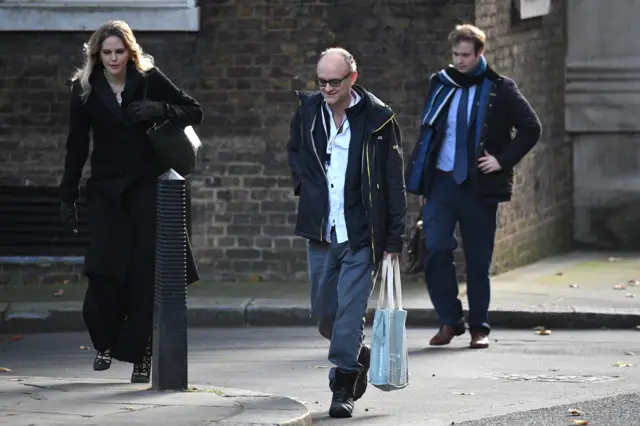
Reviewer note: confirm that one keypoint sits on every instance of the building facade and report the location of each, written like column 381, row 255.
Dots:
column 242, row 60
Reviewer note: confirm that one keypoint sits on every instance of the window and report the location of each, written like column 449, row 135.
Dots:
column 88, row 15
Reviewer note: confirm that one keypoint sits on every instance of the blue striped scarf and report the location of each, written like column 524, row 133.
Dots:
column 444, row 86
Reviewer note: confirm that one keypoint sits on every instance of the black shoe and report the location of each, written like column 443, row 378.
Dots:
column 364, row 358
column 343, row 387
column 102, row 360
column 142, row 370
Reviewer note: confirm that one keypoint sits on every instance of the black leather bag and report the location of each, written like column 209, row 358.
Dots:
column 177, row 147
column 413, row 261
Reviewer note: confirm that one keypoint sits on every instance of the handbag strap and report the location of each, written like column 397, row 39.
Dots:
column 397, row 283
column 383, row 284
column 387, row 284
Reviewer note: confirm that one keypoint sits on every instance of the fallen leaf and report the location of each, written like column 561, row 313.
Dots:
column 622, row 364
column 619, row 287
column 630, row 295
column 575, row 412
column 579, row 422
column 543, row 332
column 574, row 285
column 58, row 293
column 254, row 278
column 16, row 338
column 4, row 370
column 464, row 393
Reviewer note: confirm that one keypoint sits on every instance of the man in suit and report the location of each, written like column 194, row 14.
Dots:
column 462, row 166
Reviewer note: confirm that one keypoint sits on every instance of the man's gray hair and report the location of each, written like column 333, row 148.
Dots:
column 348, row 57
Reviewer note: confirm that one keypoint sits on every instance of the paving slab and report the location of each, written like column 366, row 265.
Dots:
column 71, row 401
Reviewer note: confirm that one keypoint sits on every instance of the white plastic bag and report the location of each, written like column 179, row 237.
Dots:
column 389, row 354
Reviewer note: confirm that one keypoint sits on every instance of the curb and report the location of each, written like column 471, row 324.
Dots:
column 44, row 317
column 224, row 406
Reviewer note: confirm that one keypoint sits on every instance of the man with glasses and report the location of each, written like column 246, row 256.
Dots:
column 345, row 153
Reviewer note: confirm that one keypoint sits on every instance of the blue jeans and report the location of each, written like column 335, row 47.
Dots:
column 341, row 302
column 317, row 253
column 449, row 204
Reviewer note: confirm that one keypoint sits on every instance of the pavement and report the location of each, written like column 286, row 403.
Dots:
column 576, row 290
column 54, row 401
column 522, row 376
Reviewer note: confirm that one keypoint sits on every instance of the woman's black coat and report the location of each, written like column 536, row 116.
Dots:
column 121, row 195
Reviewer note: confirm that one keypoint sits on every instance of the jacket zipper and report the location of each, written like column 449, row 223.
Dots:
column 324, row 172
column 373, row 243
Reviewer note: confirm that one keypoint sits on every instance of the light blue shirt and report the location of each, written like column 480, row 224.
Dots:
column 447, row 156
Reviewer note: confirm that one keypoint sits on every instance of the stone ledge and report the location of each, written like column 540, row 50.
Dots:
column 89, row 19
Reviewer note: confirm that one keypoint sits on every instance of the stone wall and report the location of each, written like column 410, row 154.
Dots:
column 243, row 67
column 603, row 85
column 537, row 223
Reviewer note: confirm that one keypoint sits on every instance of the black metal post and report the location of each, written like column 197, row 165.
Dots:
column 169, row 369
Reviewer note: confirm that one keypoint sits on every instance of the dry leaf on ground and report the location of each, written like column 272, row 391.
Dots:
column 543, row 332
column 575, row 412
column 579, row 422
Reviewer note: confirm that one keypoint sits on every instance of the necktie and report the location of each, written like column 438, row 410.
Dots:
column 461, row 159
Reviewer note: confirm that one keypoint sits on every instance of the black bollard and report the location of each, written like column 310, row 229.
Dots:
column 169, row 362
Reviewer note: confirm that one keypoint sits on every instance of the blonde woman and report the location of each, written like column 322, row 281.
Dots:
column 107, row 99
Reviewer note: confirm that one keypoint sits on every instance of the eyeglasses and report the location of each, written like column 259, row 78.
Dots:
column 334, row 82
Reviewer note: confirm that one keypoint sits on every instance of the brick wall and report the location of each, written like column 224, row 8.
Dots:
column 243, row 66
column 537, row 223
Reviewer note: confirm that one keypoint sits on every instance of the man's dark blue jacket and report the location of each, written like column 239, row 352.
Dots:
column 374, row 196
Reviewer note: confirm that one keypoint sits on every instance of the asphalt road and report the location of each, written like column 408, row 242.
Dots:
column 520, row 372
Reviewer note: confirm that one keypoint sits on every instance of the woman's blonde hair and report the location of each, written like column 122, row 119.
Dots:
column 143, row 62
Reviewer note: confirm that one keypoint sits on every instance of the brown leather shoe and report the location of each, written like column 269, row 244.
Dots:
column 445, row 335
column 479, row 340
